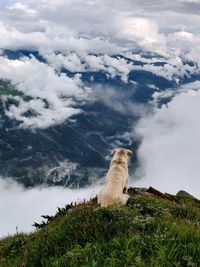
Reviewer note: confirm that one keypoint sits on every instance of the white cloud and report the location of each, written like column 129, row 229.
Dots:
column 173, row 69
column 190, row 1
column 80, row 28
column 145, row 31
column 18, row 6
column 82, row 62
column 40, row 81
column 170, row 93
column 170, row 149
column 45, row 81
column 100, row 26
column 22, row 207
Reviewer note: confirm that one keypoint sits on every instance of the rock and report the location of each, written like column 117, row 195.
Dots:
column 137, row 190
column 151, row 191
column 155, row 192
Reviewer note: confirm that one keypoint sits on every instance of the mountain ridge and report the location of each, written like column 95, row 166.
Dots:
column 153, row 229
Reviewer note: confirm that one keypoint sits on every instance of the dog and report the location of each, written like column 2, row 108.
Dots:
column 116, row 187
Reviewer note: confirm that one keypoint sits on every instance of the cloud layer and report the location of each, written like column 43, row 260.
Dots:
column 101, row 26
column 170, row 148
column 86, row 34
column 41, row 82
column 22, row 207
column 53, row 96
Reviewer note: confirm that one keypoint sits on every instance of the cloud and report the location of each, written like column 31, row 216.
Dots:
column 82, row 62
column 99, row 26
column 61, row 26
column 174, row 68
column 21, row 207
column 41, row 82
column 87, row 34
column 145, row 31
column 54, row 95
column 170, row 147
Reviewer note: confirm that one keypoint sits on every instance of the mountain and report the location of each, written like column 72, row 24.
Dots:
column 153, row 229
column 74, row 152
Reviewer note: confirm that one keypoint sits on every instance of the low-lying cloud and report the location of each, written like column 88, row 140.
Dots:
column 170, row 148
column 20, row 207
column 45, row 82
column 41, row 82
column 82, row 36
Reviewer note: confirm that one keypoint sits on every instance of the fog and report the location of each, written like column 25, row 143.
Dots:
column 20, row 207
column 170, row 146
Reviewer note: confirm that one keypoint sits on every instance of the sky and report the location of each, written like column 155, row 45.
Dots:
column 101, row 26
column 4, row 3
column 88, row 33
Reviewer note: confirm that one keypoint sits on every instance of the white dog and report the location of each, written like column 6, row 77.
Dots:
column 115, row 189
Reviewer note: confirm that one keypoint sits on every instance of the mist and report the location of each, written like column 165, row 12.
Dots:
column 170, row 146
column 20, row 207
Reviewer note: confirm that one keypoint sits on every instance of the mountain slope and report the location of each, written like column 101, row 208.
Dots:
column 154, row 229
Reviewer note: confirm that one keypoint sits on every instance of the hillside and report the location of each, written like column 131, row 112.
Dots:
column 154, row 229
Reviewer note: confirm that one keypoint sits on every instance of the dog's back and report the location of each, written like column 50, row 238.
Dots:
column 116, row 180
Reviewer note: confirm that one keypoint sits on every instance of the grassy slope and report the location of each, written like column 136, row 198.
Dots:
column 149, row 231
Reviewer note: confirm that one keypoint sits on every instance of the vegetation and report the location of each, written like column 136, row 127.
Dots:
column 150, row 231
column 7, row 89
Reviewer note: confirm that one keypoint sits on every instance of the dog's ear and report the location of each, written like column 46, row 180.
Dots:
column 113, row 152
column 129, row 153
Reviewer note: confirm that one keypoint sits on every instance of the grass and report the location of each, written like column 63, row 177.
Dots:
column 149, row 231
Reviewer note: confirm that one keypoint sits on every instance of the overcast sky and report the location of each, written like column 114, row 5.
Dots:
column 96, row 25
column 4, row 3
column 88, row 33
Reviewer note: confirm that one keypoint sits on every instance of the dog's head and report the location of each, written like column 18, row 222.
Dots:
column 121, row 152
